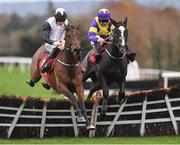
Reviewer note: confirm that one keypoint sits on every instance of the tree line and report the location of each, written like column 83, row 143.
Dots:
column 153, row 33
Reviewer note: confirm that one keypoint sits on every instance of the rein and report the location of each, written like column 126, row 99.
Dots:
column 67, row 64
column 114, row 56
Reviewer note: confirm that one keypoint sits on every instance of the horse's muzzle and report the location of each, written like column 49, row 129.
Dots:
column 77, row 52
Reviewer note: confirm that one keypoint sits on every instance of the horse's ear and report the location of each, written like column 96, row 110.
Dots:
column 78, row 25
column 125, row 21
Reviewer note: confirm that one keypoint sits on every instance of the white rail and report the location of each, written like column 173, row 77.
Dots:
column 12, row 61
column 134, row 72
column 115, row 115
column 15, row 60
column 166, row 76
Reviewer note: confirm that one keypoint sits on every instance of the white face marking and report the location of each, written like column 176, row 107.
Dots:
column 122, row 29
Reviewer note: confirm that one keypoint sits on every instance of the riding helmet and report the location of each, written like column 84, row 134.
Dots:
column 103, row 14
column 60, row 15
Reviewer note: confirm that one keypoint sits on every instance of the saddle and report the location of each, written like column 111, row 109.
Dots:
column 92, row 54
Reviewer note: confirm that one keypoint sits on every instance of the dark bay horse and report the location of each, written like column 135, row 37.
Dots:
column 113, row 66
column 66, row 76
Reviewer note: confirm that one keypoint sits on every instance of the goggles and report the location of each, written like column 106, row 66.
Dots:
column 104, row 20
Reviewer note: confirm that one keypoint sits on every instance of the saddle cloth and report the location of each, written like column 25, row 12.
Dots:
column 92, row 54
column 46, row 75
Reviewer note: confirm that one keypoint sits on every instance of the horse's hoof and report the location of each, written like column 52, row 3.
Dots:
column 81, row 119
column 46, row 86
column 30, row 83
column 90, row 127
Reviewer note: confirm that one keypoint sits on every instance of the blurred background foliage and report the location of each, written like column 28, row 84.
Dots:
column 153, row 33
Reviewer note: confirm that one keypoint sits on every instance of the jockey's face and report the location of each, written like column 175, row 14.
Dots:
column 60, row 23
column 103, row 22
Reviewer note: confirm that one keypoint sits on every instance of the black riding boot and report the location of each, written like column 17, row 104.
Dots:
column 98, row 58
column 130, row 54
column 46, row 66
column 98, row 55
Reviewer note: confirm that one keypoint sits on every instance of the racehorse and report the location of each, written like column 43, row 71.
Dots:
column 112, row 67
column 66, row 76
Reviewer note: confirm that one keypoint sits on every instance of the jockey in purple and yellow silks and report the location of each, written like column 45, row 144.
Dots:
column 100, row 29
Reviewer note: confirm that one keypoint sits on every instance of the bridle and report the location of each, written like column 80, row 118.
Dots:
column 72, row 51
column 113, row 57
column 112, row 43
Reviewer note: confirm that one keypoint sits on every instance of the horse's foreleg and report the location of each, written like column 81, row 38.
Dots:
column 62, row 89
column 93, row 89
column 72, row 97
column 105, row 95
column 121, row 95
column 80, row 95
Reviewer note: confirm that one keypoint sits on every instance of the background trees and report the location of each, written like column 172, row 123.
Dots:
column 153, row 33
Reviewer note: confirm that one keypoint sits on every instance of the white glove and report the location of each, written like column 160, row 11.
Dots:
column 100, row 40
column 59, row 44
column 97, row 36
column 62, row 44
column 56, row 43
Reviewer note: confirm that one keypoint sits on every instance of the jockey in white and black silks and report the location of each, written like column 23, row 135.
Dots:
column 100, row 29
column 53, row 35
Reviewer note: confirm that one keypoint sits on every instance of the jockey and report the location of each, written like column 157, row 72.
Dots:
column 53, row 35
column 100, row 30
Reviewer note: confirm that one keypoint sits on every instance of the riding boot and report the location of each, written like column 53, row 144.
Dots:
column 130, row 54
column 98, row 55
column 97, row 59
column 47, row 64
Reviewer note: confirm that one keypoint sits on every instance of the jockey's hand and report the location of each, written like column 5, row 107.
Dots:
column 97, row 36
column 110, row 38
column 57, row 43
column 100, row 40
column 62, row 44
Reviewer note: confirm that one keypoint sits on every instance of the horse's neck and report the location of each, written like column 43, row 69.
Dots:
column 113, row 50
column 68, row 57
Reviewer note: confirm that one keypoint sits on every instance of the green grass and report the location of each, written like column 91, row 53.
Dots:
column 98, row 140
column 13, row 83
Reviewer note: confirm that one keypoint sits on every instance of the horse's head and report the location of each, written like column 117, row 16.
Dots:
column 120, row 35
column 73, row 40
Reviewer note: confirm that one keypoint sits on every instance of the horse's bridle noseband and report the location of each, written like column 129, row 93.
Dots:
column 115, row 44
column 114, row 56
